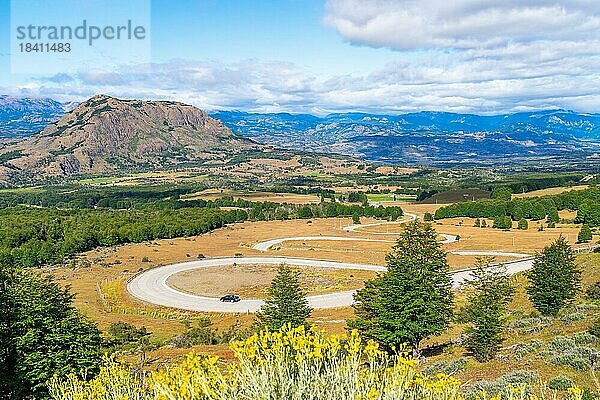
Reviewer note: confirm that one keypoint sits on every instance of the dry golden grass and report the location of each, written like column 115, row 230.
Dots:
column 590, row 264
column 112, row 267
column 549, row 191
column 122, row 262
column 252, row 281
column 291, row 198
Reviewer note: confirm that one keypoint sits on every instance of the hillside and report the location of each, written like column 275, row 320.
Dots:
column 104, row 135
column 437, row 138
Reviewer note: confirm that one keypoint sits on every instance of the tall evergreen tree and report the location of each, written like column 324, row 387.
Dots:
column 43, row 335
column 413, row 299
column 491, row 291
column 585, row 234
column 286, row 302
column 7, row 318
column 555, row 277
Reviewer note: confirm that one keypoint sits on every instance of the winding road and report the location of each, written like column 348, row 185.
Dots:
column 151, row 286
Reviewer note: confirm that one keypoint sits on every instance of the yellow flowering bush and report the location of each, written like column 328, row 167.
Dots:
column 290, row 364
column 115, row 381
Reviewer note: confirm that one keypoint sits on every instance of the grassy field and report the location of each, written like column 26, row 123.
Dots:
column 549, row 191
column 122, row 262
column 293, row 198
column 456, row 196
column 389, row 197
column 531, row 341
column 99, row 277
column 252, row 281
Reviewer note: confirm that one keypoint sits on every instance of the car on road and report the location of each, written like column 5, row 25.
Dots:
column 230, row 298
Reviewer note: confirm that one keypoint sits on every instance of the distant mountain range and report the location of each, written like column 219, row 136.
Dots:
column 438, row 138
column 21, row 117
column 557, row 138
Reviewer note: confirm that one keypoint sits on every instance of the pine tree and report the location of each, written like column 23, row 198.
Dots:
column 585, row 234
column 491, row 291
column 285, row 302
column 554, row 278
column 413, row 299
column 553, row 215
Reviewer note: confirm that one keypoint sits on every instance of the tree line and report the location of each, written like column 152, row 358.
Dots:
column 585, row 202
column 41, row 236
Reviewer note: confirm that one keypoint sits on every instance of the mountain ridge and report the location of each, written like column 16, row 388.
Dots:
column 436, row 138
column 105, row 134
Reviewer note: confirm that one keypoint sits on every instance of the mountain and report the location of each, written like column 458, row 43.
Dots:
column 104, row 135
column 21, row 117
column 552, row 137
column 438, row 138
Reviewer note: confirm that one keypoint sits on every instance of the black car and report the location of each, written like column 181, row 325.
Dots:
column 230, row 298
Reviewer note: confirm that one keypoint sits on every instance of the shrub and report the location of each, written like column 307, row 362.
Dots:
column 560, row 382
column 503, row 222
column 572, row 360
column 271, row 365
column 115, row 381
column 514, row 378
column 523, row 224
column 584, row 338
column 274, row 365
column 561, row 343
column 531, row 324
column 593, row 292
column 202, row 332
column 568, row 319
column 524, row 380
column 121, row 333
column 594, row 328
column 523, row 349
column 447, row 367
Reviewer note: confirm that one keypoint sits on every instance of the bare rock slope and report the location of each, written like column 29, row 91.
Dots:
column 105, row 134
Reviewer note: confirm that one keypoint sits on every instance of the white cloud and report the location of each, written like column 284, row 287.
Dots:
column 462, row 24
column 485, row 56
column 512, row 78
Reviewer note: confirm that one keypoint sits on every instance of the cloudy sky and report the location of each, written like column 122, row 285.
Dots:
column 386, row 56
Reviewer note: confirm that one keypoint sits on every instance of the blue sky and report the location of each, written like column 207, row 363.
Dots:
column 323, row 56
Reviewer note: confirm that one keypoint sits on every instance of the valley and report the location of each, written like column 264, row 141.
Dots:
column 300, row 200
